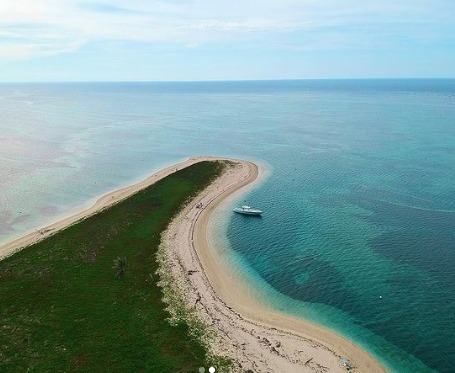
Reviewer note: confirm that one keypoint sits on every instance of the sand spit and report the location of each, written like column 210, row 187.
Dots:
column 255, row 337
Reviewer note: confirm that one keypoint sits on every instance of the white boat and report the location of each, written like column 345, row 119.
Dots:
column 247, row 210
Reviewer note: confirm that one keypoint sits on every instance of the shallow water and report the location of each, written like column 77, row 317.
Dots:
column 358, row 232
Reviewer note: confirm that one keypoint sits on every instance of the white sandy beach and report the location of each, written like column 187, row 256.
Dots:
column 254, row 337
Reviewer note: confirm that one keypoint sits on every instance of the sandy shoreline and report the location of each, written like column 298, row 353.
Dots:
column 103, row 202
column 256, row 338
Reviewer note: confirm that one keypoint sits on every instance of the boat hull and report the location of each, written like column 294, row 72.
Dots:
column 248, row 212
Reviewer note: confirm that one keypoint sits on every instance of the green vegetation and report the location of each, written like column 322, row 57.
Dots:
column 64, row 307
column 120, row 265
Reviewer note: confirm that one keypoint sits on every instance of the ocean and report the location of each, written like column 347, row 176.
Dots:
column 358, row 233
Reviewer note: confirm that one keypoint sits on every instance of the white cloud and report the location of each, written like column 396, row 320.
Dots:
column 45, row 27
column 26, row 50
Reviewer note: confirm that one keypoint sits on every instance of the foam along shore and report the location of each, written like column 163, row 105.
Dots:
column 102, row 203
column 253, row 336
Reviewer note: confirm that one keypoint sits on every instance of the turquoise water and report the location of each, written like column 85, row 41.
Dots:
column 359, row 229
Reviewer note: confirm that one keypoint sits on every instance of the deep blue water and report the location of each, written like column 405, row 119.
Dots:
column 359, row 226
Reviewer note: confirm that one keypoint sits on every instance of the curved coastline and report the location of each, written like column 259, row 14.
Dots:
column 256, row 337
column 259, row 338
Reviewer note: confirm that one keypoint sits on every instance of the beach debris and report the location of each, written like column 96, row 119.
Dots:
column 306, row 362
column 278, row 344
column 43, row 231
column 346, row 363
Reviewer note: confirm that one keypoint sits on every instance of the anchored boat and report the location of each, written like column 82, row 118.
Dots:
column 247, row 210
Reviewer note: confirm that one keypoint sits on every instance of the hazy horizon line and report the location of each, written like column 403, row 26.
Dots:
column 223, row 80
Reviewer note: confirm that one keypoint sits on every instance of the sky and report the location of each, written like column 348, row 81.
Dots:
column 151, row 40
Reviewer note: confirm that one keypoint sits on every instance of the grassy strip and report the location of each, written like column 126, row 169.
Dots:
column 63, row 309
column 175, row 288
